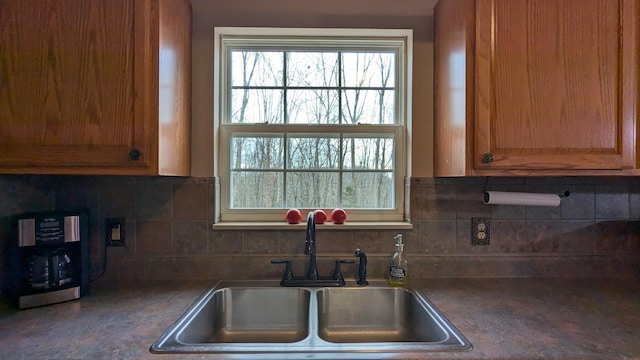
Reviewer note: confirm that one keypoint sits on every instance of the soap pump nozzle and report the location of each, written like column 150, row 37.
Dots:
column 399, row 244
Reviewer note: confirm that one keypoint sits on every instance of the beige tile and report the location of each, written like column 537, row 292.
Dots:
column 118, row 201
column 226, row 242
column 154, row 200
column 384, row 242
column 189, row 237
column 191, row 201
column 292, row 242
column 617, row 238
column 577, row 237
column 469, row 201
column 508, row 236
column 611, row 203
column 153, row 237
column 580, row 205
column 337, row 241
column 439, row 202
column 261, row 242
column 542, row 236
column 438, row 236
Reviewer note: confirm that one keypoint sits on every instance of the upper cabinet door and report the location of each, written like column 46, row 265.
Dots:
column 67, row 91
column 81, row 82
column 556, row 84
column 536, row 87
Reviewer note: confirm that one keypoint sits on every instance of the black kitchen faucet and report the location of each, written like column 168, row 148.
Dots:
column 312, row 278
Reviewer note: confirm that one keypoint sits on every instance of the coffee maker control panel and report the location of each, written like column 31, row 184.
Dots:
column 50, row 229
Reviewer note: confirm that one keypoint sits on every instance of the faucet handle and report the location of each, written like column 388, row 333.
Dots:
column 288, row 274
column 362, row 268
column 337, row 273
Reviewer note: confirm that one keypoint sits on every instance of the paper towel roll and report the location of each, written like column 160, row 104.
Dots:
column 521, row 198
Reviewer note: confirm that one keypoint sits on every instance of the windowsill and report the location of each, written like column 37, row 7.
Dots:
column 280, row 225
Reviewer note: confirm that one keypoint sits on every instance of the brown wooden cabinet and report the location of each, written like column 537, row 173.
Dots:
column 536, row 87
column 95, row 87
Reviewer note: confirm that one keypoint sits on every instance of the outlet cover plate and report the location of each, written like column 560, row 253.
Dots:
column 115, row 234
column 480, row 231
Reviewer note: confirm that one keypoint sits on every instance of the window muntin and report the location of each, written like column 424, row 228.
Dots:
column 315, row 87
column 350, row 89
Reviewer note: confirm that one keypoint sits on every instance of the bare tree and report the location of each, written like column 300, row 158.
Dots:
column 315, row 91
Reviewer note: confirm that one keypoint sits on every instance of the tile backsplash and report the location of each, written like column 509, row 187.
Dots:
column 594, row 233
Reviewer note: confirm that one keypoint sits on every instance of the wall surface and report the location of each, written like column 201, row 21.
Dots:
column 594, row 233
column 405, row 14
column 20, row 194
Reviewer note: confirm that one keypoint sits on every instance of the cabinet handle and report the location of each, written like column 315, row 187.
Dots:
column 135, row 154
column 487, row 158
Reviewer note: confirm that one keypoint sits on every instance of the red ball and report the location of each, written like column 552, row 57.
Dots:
column 319, row 216
column 338, row 216
column 293, row 216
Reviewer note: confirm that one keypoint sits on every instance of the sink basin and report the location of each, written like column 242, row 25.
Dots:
column 351, row 315
column 250, row 317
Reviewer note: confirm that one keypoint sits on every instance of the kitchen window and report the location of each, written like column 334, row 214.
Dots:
column 312, row 119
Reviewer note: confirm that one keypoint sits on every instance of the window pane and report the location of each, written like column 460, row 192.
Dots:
column 290, row 105
column 312, row 189
column 310, row 153
column 257, row 152
column 368, row 106
column 256, row 106
column 256, row 68
column 257, row 189
column 364, row 69
column 312, row 69
column 368, row 153
column 318, row 106
column 367, row 190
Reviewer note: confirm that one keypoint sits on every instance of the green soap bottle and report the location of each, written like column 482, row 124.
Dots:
column 398, row 270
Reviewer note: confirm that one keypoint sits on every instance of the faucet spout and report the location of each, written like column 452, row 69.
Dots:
column 310, row 247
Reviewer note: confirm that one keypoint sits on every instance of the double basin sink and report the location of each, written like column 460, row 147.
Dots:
column 244, row 317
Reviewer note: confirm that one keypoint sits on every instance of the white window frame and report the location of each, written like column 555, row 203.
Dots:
column 281, row 38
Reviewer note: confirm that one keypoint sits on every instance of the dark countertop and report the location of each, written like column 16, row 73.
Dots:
column 503, row 319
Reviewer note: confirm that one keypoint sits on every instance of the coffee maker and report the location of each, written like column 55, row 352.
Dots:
column 49, row 258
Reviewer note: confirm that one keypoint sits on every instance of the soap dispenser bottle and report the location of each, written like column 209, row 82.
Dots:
column 398, row 275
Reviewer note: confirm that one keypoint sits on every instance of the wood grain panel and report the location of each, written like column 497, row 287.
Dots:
column 174, row 87
column 550, row 91
column 453, row 105
column 79, row 86
column 67, row 80
column 62, row 54
column 557, row 66
column 146, row 82
column 555, row 87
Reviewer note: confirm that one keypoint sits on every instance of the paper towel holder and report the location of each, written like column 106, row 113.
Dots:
column 565, row 194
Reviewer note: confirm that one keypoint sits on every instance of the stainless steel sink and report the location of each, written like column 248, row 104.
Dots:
column 250, row 317
column 365, row 315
